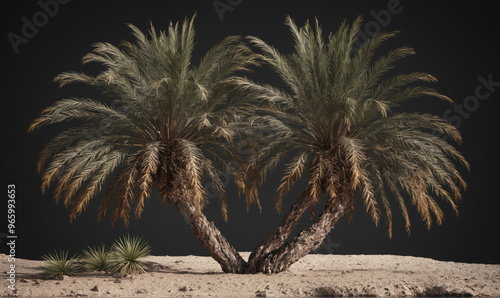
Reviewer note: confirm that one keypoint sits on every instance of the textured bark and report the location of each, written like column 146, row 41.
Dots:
column 279, row 236
column 211, row 238
column 307, row 240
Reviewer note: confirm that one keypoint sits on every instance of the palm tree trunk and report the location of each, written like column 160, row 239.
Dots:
column 278, row 237
column 211, row 238
column 307, row 240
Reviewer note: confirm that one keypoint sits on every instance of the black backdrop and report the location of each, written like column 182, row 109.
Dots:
column 457, row 41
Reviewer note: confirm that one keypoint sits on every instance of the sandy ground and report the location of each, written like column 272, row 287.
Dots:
column 314, row 275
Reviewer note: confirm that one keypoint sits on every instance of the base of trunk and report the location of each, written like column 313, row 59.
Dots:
column 211, row 239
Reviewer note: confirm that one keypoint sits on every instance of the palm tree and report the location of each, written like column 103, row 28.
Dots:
column 336, row 125
column 172, row 129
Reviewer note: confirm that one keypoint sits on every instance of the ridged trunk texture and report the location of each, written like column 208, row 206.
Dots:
column 306, row 241
column 211, row 238
column 279, row 236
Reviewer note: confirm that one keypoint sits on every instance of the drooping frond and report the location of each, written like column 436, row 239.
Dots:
column 294, row 170
column 97, row 179
column 64, row 140
column 192, row 157
column 80, row 171
column 66, row 158
column 314, row 183
column 75, row 109
column 357, row 160
column 150, row 159
column 127, row 187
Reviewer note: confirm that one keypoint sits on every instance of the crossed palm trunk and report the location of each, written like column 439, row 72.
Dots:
column 306, row 241
column 279, row 236
column 272, row 255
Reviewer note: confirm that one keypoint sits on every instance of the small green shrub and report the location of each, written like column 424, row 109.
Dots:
column 126, row 253
column 57, row 264
column 96, row 258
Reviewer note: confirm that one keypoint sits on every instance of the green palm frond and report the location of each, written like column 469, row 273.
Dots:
column 150, row 163
column 338, row 107
column 293, row 172
column 170, row 127
column 76, row 109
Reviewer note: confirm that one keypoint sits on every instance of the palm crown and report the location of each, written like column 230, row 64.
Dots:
column 337, row 121
column 174, row 121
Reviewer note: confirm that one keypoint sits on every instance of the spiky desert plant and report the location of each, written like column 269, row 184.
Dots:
column 95, row 258
column 171, row 129
column 58, row 264
column 126, row 253
column 337, row 120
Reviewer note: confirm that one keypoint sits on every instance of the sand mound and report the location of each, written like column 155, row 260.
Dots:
column 314, row 275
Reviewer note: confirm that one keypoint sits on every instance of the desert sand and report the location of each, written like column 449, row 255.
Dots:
column 313, row 275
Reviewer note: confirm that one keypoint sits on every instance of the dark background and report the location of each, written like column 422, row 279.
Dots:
column 456, row 41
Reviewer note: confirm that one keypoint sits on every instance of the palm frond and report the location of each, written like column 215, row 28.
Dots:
column 293, row 172
column 74, row 109
column 149, row 165
column 192, row 156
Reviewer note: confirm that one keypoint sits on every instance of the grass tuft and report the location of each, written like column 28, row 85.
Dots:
column 126, row 253
column 58, row 264
column 96, row 258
